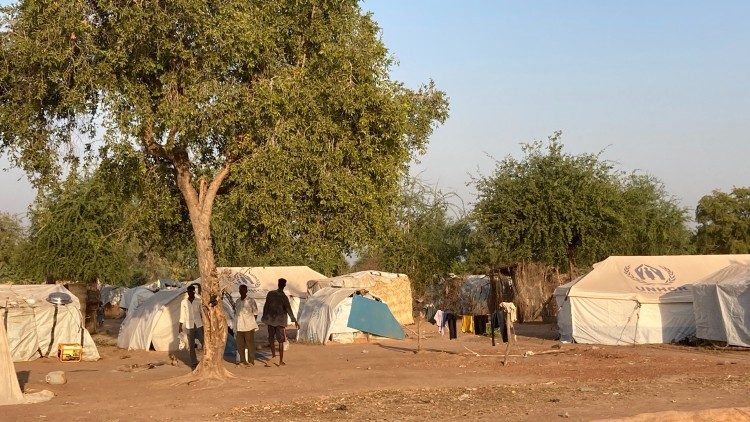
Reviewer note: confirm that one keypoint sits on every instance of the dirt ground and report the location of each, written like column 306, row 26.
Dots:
column 387, row 380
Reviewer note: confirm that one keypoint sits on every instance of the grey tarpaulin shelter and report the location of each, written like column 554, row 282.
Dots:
column 721, row 305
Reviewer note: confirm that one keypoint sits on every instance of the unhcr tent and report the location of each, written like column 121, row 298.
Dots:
column 325, row 316
column 156, row 322
column 261, row 280
column 635, row 299
column 721, row 306
column 35, row 326
column 393, row 289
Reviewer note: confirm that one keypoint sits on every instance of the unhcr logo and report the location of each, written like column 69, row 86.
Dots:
column 649, row 274
column 246, row 280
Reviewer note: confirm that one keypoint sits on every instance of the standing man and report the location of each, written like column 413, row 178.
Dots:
column 275, row 311
column 245, row 324
column 190, row 320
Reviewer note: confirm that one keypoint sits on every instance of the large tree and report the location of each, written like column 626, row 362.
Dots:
column 724, row 222
column 568, row 210
column 203, row 88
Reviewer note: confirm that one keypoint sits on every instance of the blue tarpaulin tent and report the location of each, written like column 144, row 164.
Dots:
column 371, row 316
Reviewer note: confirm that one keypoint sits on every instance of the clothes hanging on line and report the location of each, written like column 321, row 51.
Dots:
column 510, row 308
column 440, row 321
column 467, row 324
column 498, row 321
column 480, row 324
column 429, row 314
column 450, row 320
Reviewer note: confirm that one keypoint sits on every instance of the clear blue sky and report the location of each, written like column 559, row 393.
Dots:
column 662, row 85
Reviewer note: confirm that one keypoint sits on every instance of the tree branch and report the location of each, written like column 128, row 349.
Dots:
column 213, row 188
column 184, row 179
column 149, row 143
column 202, row 190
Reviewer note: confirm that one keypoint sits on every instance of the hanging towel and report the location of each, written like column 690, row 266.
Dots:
column 440, row 320
column 467, row 324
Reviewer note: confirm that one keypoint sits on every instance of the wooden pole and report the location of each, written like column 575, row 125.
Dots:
column 419, row 333
column 507, row 331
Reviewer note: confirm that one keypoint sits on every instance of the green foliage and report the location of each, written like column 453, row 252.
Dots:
column 114, row 224
column 426, row 242
column 655, row 222
column 724, row 222
column 76, row 234
column 563, row 209
column 12, row 238
column 294, row 96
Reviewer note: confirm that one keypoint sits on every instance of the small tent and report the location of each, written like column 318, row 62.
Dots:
column 155, row 323
column 393, row 289
column 721, row 305
column 325, row 315
column 635, row 299
column 134, row 296
column 111, row 295
column 35, row 326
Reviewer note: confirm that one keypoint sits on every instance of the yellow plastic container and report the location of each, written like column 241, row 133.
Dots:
column 69, row 352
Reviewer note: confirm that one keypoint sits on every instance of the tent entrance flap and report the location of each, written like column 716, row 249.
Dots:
column 371, row 316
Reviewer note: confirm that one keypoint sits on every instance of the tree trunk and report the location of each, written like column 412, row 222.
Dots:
column 200, row 204
column 214, row 320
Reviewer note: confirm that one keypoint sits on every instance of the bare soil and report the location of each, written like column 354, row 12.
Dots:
column 387, row 380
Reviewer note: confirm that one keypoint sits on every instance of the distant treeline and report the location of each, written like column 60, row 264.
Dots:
column 549, row 206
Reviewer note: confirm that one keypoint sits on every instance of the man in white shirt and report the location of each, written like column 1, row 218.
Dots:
column 191, row 322
column 245, row 325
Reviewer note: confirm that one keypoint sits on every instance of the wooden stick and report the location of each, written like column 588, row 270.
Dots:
column 544, row 352
column 419, row 334
column 507, row 331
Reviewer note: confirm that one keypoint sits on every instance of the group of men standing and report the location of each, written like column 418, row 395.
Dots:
column 275, row 312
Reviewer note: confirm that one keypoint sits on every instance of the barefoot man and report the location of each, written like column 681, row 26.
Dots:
column 190, row 321
column 275, row 311
column 246, row 311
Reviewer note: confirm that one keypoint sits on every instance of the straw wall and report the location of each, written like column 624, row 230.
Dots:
column 396, row 293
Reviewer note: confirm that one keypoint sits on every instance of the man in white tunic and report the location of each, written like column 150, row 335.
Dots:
column 191, row 322
column 245, row 325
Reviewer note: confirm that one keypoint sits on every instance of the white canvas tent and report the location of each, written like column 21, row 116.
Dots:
column 10, row 390
column 261, row 280
column 635, row 299
column 325, row 314
column 721, row 306
column 35, row 326
column 156, row 322
column 132, row 297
